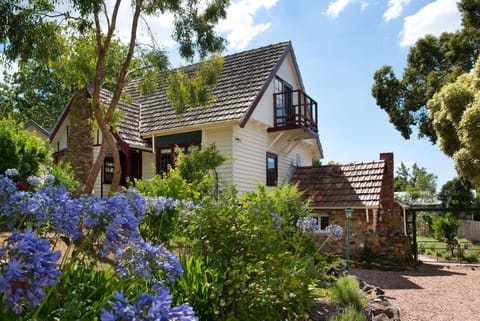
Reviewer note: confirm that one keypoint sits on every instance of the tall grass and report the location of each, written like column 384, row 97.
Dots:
column 350, row 314
column 346, row 293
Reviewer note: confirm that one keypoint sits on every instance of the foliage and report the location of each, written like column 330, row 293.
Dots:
column 457, row 194
column 94, row 230
column 432, row 63
column 261, row 262
column 455, row 112
column 445, row 229
column 350, row 314
column 346, row 292
column 194, row 287
column 63, row 174
column 21, row 150
column 190, row 180
column 416, row 182
column 195, row 165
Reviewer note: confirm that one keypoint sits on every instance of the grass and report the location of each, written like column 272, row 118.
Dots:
column 435, row 248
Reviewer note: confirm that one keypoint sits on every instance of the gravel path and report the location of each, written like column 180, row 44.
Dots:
column 431, row 292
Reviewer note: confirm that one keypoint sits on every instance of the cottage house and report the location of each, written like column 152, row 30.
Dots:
column 262, row 117
column 378, row 226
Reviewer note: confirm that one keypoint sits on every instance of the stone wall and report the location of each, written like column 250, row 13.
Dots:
column 79, row 151
column 383, row 241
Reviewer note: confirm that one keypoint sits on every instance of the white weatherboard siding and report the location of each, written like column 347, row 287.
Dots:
column 223, row 140
column 249, row 164
column 59, row 142
column 97, row 188
column 264, row 110
column 148, row 165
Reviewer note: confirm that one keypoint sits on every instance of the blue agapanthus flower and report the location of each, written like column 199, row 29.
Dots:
column 148, row 261
column 147, row 307
column 27, row 267
column 334, row 231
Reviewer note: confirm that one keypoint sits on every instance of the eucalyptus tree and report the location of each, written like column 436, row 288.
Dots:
column 194, row 23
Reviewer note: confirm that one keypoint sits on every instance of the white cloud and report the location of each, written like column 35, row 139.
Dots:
column 395, row 9
column 336, row 7
column 239, row 27
column 435, row 18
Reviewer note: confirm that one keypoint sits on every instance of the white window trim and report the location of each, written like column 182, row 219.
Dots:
column 319, row 216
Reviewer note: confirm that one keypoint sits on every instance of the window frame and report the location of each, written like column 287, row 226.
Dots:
column 108, row 170
column 269, row 180
column 318, row 217
column 185, row 147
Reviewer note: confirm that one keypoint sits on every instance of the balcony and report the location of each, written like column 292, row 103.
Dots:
column 296, row 112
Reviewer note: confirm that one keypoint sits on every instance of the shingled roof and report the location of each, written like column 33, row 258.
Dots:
column 244, row 76
column 331, row 186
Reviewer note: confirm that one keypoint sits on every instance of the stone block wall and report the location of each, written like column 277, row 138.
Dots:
column 79, row 152
column 381, row 242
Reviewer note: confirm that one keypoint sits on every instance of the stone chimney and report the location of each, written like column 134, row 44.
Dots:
column 387, row 188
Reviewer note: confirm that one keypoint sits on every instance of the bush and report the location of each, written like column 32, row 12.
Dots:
column 255, row 253
column 21, row 150
column 346, row 292
column 350, row 314
column 445, row 229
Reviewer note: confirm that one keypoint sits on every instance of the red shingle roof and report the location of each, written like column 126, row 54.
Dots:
column 330, row 186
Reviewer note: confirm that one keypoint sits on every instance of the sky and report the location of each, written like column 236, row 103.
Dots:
column 338, row 44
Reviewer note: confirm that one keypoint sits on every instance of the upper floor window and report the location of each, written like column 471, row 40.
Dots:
column 272, row 169
column 321, row 221
column 283, row 102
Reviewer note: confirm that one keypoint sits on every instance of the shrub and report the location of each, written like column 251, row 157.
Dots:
column 253, row 250
column 346, row 292
column 350, row 314
column 445, row 229
column 21, row 150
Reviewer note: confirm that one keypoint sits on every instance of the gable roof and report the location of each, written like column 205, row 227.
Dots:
column 347, row 185
column 243, row 77
column 128, row 128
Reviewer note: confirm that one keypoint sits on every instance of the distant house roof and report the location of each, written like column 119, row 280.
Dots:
column 244, row 77
column 34, row 125
column 331, row 186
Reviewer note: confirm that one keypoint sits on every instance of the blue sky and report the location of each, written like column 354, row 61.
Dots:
column 339, row 44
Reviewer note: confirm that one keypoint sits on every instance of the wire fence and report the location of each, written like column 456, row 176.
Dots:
column 463, row 252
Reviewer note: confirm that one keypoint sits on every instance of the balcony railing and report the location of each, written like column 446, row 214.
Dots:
column 294, row 109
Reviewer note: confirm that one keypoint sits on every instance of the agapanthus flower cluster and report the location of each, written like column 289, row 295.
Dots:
column 117, row 219
column 148, row 261
column 307, row 224
column 334, row 231
column 27, row 267
column 11, row 172
column 34, row 181
column 147, row 307
column 52, row 205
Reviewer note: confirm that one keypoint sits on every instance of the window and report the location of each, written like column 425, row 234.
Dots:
column 321, row 221
column 272, row 169
column 108, row 170
column 283, row 103
column 167, row 155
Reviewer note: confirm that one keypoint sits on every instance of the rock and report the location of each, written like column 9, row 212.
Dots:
column 381, row 317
